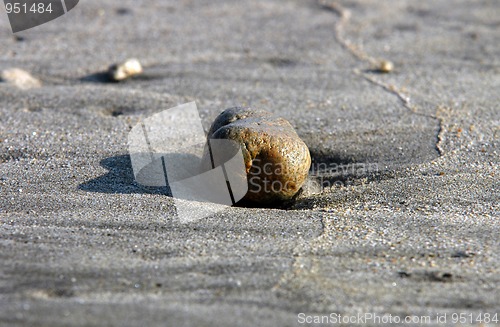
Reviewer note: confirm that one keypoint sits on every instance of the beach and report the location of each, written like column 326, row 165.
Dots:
column 400, row 215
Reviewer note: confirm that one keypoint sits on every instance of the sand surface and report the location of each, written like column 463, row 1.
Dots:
column 410, row 225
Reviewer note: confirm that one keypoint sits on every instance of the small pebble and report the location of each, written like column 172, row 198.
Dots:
column 20, row 78
column 127, row 69
column 277, row 161
column 385, row 66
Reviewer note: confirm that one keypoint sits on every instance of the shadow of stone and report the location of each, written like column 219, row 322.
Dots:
column 328, row 156
column 100, row 77
column 104, row 78
column 329, row 168
column 120, row 179
column 376, row 71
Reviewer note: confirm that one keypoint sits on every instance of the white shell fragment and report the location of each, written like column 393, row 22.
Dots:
column 20, row 78
column 127, row 69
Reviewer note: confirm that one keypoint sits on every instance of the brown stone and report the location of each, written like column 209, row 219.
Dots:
column 277, row 161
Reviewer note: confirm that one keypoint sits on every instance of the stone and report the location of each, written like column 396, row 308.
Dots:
column 20, row 78
column 385, row 66
column 125, row 70
column 276, row 160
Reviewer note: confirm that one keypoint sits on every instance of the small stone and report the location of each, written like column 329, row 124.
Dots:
column 129, row 68
column 20, row 78
column 385, row 66
column 277, row 161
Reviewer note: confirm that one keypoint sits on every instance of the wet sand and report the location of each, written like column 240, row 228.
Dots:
column 407, row 222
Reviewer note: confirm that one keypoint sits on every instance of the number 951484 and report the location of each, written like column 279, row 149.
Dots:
column 23, row 8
